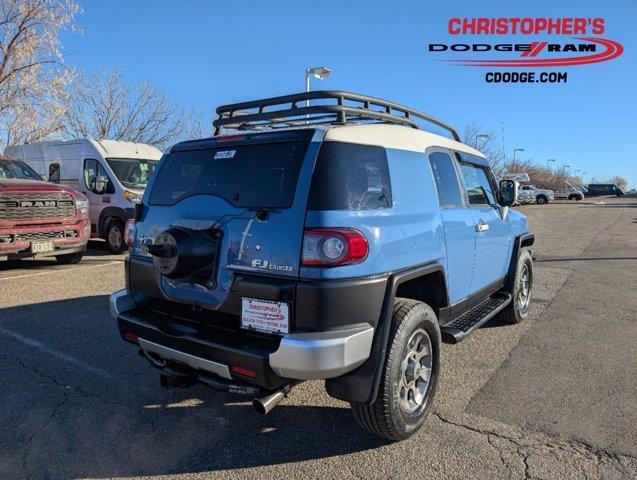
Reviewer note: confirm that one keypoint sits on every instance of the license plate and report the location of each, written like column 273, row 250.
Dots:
column 42, row 247
column 265, row 316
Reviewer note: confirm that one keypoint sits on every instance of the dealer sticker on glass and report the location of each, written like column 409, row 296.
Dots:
column 265, row 316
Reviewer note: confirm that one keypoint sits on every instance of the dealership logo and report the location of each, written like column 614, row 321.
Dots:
column 554, row 42
column 601, row 50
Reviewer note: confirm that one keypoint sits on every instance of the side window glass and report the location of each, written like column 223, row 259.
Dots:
column 478, row 186
column 5, row 171
column 90, row 173
column 446, row 179
column 104, row 182
column 349, row 176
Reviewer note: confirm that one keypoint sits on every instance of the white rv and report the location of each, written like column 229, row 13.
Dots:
column 112, row 174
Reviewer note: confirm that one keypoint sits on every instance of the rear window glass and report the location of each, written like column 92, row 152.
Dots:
column 247, row 176
column 348, row 176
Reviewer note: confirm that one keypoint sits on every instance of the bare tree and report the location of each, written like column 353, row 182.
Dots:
column 620, row 181
column 103, row 105
column 487, row 142
column 32, row 76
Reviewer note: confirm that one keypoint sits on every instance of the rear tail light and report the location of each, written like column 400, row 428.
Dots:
column 129, row 232
column 327, row 247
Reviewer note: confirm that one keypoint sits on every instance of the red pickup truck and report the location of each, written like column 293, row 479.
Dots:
column 40, row 219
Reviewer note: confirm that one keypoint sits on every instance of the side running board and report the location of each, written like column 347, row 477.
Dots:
column 461, row 326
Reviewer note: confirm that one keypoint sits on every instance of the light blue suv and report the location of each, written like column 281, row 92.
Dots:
column 331, row 240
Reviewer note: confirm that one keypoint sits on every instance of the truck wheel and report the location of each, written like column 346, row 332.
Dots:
column 69, row 258
column 521, row 290
column 115, row 236
column 572, row 197
column 541, row 199
column 410, row 374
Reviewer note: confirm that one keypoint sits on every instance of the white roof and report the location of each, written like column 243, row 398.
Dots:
column 120, row 149
column 108, row 148
column 395, row 136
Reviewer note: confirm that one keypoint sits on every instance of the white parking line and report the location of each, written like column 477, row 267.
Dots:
column 62, row 356
column 79, row 267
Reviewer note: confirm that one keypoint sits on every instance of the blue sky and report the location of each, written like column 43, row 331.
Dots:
column 210, row 52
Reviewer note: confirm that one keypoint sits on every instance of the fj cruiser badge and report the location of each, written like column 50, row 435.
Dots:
column 266, row 265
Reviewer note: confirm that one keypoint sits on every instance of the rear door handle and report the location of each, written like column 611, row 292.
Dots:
column 483, row 227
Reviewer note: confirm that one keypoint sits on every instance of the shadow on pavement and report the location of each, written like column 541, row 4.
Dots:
column 581, row 259
column 67, row 420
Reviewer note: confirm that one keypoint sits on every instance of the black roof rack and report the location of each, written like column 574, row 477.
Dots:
column 337, row 108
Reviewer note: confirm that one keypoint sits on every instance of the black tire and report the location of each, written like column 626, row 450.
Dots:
column 541, row 199
column 572, row 197
column 386, row 417
column 69, row 258
column 115, row 236
column 518, row 309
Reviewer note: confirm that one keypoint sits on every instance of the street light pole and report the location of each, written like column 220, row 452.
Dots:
column 566, row 167
column 320, row 73
column 547, row 162
column 486, row 136
column 516, row 150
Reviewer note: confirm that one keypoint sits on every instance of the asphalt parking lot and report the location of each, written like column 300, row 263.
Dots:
column 553, row 397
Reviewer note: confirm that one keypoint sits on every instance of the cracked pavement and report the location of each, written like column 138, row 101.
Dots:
column 553, row 397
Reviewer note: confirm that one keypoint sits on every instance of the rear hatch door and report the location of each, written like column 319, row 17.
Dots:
column 250, row 189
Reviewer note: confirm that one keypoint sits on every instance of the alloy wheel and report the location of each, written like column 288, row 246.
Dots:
column 415, row 375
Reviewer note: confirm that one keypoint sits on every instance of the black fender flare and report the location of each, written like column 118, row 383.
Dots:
column 107, row 213
column 522, row 242
column 361, row 385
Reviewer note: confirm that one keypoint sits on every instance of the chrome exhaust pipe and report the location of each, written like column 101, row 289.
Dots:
column 265, row 405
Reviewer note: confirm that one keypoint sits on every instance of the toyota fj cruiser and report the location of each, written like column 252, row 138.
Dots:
column 334, row 240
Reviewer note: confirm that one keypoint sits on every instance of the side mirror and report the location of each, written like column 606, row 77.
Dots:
column 92, row 183
column 508, row 192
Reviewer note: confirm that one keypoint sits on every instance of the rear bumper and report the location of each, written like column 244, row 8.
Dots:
column 300, row 356
column 15, row 241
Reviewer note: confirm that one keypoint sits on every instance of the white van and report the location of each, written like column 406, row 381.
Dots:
column 568, row 192
column 112, row 174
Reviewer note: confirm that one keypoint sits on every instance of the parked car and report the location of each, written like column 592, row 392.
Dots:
column 327, row 249
column 538, row 195
column 112, row 174
column 598, row 189
column 40, row 219
column 524, row 197
column 569, row 192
